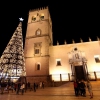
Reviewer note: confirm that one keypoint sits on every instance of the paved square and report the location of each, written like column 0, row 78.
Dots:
column 64, row 92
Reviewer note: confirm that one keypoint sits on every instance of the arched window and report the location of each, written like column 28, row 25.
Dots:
column 38, row 32
column 38, row 66
column 34, row 18
column 41, row 16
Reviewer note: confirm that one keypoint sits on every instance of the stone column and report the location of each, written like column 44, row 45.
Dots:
column 72, row 69
column 69, row 76
column 53, row 83
column 95, row 76
column 60, row 78
column 50, row 77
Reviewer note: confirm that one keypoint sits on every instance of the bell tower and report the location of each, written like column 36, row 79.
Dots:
column 37, row 42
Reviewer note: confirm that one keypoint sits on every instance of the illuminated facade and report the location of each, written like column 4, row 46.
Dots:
column 60, row 62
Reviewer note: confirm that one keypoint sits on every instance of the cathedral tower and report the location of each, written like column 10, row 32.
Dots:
column 37, row 42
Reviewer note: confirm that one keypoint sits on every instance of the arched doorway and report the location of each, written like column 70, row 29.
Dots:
column 79, row 72
column 78, row 64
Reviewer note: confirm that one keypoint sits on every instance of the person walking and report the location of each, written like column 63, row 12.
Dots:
column 22, row 88
column 89, row 87
column 34, row 87
column 43, row 85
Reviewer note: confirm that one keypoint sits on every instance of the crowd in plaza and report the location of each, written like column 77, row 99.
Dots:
column 19, row 87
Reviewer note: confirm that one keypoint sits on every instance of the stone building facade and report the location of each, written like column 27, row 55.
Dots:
column 45, row 62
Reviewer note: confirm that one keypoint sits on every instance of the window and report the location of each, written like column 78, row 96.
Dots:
column 97, row 58
column 42, row 16
column 36, row 51
column 38, row 66
column 33, row 18
column 38, row 32
column 58, row 61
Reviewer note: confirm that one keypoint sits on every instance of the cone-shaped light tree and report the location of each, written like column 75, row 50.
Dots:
column 12, row 62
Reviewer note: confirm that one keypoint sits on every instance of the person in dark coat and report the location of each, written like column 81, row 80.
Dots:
column 3, row 85
column 75, row 88
column 83, row 88
column 18, row 88
column 34, row 87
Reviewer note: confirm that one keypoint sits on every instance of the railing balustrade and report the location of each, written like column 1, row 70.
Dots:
column 69, row 77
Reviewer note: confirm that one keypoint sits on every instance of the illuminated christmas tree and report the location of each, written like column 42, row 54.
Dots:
column 12, row 62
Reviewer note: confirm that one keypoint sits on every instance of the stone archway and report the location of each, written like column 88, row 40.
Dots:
column 79, row 72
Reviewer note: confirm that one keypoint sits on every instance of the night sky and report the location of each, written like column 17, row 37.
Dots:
column 70, row 20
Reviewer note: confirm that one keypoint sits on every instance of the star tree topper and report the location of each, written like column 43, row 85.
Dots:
column 21, row 19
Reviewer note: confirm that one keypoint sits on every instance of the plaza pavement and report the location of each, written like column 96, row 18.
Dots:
column 64, row 92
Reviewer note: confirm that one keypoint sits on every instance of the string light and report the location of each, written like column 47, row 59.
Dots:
column 12, row 61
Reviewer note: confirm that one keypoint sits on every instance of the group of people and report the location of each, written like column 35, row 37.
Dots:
column 7, row 86
column 35, row 85
column 19, row 87
column 80, row 88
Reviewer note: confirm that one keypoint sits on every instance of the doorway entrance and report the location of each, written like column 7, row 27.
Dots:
column 79, row 72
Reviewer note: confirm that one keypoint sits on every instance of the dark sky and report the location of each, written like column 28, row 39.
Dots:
column 70, row 20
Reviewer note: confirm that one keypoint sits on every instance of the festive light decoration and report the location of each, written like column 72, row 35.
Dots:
column 12, row 62
column 21, row 19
